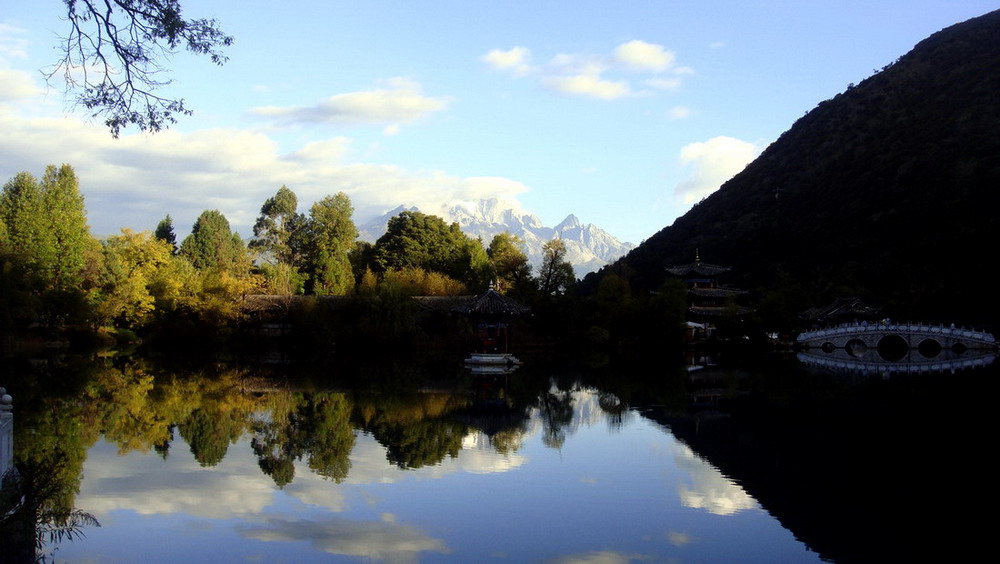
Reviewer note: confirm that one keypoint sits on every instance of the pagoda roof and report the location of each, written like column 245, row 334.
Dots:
column 697, row 267
column 719, row 311
column 702, row 268
column 492, row 302
column 717, row 292
column 489, row 302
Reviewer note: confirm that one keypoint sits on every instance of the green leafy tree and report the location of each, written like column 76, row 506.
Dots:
column 130, row 263
column 46, row 246
column 556, row 274
column 213, row 245
column 276, row 228
column 510, row 263
column 331, row 235
column 46, row 226
column 67, row 224
column 418, row 240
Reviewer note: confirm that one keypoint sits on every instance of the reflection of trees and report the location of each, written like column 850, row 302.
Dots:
column 328, row 434
column 209, row 431
column 313, row 425
column 51, row 441
column 420, row 443
column 33, row 512
column 556, row 409
column 413, row 429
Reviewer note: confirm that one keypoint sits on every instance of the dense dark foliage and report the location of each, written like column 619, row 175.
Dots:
column 887, row 191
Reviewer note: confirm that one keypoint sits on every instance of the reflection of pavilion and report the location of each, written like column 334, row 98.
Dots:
column 491, row 410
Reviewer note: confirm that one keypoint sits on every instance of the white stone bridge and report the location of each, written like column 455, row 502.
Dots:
column 929, row 339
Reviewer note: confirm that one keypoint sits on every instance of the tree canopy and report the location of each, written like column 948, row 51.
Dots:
column 213, row 245
column 418, row 240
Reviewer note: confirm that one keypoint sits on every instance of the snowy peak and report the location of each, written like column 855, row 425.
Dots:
column 588, row 247
column 571, row 222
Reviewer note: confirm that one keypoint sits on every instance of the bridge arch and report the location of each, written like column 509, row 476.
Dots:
column 856, row 348
column 893, row 347
column 929, row 347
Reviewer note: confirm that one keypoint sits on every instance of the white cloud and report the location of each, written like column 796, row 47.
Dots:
column 712, row 163
column 371, row 540
column 595, row 76
column 516, row 60
column 12, row 43
column 679, row 112
column 640, row 55
column 399, row 100
column 709, row 489
column 17, row 85
column 588, row 84
column 600, row 557
column 136, row 180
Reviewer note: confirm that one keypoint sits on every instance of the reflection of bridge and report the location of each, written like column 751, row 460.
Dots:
column 871, row 363
column 929, row 339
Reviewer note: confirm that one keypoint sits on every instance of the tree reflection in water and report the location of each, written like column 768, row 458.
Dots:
column 33, row 514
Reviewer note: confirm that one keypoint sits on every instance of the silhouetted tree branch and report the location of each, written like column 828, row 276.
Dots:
column 113, row 56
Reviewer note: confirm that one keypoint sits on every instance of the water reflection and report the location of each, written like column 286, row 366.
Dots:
column 592, row 465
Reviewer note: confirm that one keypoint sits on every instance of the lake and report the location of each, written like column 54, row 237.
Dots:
column 420, row 459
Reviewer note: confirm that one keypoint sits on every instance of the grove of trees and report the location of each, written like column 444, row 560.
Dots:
column 55, row 275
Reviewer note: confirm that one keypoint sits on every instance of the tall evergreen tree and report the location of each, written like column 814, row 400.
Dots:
column 47, row 226
column 213, row 245
column 165, row 232
column 331, row 234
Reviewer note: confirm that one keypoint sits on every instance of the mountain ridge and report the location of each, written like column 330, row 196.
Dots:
column 885, row 191
column 588, row 247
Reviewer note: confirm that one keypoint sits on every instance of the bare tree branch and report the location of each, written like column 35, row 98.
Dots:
column 112, row 57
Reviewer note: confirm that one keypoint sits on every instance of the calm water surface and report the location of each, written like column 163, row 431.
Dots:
column 414, row 463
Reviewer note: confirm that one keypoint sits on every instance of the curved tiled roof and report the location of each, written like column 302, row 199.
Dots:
column 491, row 302
column 697, row 267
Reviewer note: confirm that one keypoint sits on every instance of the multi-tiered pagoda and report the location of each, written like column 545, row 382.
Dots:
column 708, row 301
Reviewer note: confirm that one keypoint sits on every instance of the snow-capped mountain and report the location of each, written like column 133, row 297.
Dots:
column 588, row 247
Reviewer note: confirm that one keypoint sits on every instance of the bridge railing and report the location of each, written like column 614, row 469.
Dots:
column 909, row 327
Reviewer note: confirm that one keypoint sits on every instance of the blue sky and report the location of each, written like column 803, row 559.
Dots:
column 623, row 113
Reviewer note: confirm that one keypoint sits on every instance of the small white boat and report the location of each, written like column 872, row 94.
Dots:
column 503, row 359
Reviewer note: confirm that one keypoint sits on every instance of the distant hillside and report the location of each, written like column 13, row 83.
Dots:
column 588, row 247
column 887, row 191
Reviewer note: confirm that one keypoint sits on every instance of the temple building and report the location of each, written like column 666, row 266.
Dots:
column 708, row 300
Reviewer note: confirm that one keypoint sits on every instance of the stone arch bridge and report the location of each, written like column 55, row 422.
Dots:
column 897, row 339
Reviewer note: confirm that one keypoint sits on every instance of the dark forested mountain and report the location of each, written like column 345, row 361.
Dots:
column 888, row 191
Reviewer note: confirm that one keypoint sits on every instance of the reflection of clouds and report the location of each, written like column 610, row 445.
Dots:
column 369, row 466
column 677, row 538
column 384, row 541
column 709, row 490
column 147, row 484
column 601, row 557
column 312, row 489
